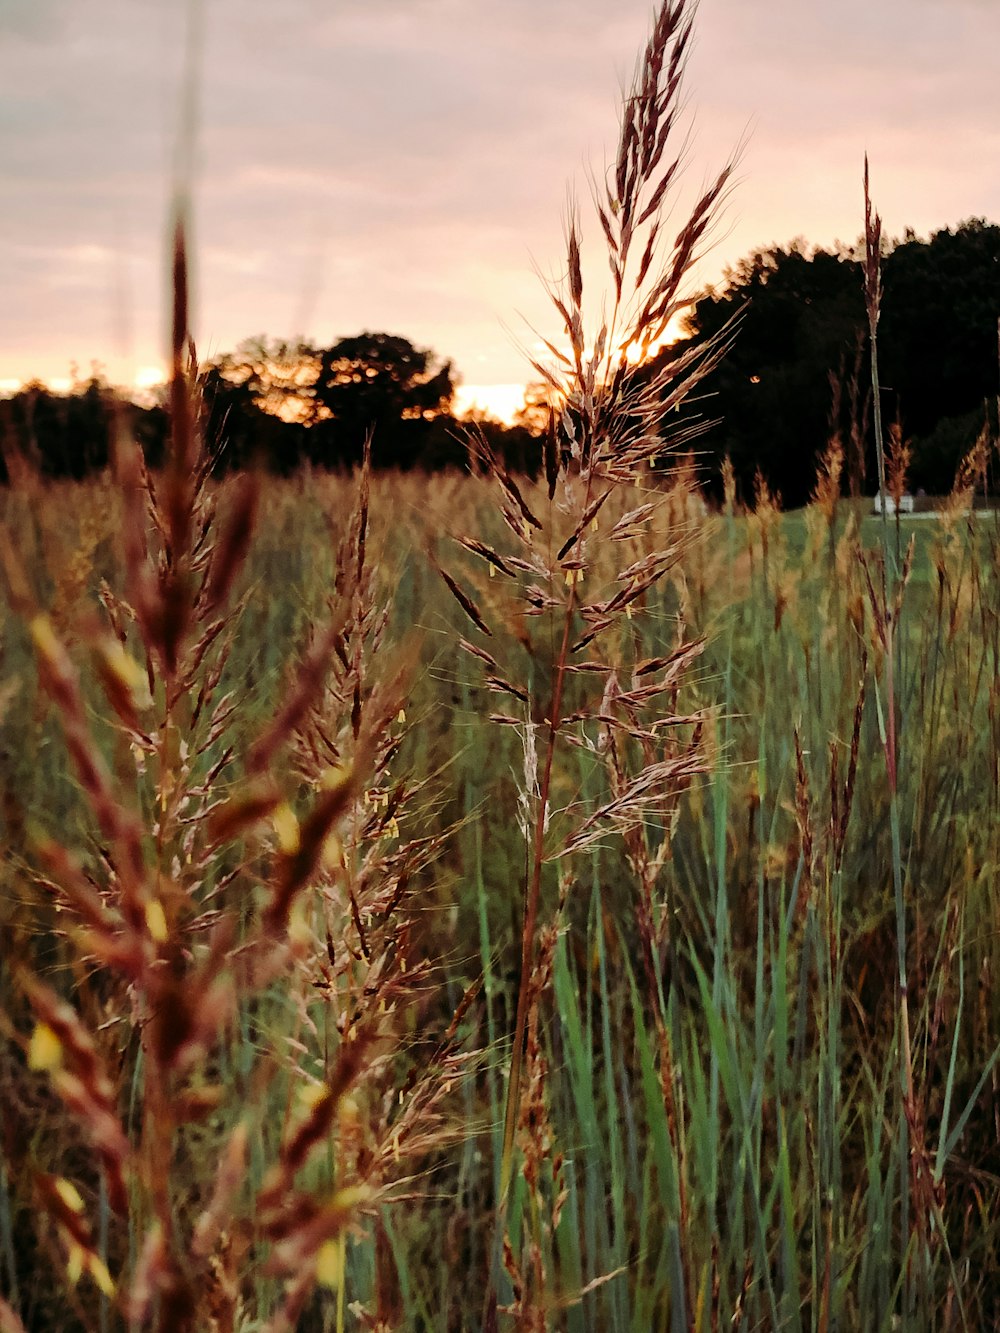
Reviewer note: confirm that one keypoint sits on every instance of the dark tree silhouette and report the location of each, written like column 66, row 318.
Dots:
column 276, row 405
column 803, row 320
column 63, row 435
column 801, row 314
column 327, row 400
column 241, row 432
column 69, row 435
column 938, row 331
column 377, row 384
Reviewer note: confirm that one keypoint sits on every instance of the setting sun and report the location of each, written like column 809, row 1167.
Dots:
column 149, row 377
column 500, row 401
column 637, row 352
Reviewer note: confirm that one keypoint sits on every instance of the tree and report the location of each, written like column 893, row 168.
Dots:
column 274, row 374
column 377, row 384
column 239, row 430
column 799, row 316
column 938, row 330
column 374, row 384
column 274, row 404
column 69, row 435
column 534, row 414
column 802, row 320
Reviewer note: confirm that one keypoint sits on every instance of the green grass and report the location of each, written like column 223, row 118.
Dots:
column 791, row 1185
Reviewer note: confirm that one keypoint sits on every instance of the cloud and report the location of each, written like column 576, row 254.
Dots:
column 401, row 163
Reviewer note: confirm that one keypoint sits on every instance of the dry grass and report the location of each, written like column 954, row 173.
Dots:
column 224, row 877
column 787, row 816
column 573, row 676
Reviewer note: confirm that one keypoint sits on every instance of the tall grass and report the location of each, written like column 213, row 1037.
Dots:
column 569, row 575
column 224, row 1006
column 779, row 978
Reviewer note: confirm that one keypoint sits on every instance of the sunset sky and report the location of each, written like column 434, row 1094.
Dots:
column 404, row 165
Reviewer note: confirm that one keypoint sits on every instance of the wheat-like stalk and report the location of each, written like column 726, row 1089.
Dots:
column 585, row 685
column 228, row 869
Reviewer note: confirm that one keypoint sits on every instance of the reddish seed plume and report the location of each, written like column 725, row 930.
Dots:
column 873, row 253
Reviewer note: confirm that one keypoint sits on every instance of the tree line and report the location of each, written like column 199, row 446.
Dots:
column 278, row 405
column 798, row 372
column 796, row 377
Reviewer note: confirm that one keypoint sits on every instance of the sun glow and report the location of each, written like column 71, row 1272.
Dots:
column 637, row 352
column 149, row 377
column 500, row 401
column 142, row 381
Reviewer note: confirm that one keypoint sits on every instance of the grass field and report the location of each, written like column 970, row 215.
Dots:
column 736, row 1145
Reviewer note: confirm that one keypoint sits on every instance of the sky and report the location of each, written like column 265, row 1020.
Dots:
column 406, row 165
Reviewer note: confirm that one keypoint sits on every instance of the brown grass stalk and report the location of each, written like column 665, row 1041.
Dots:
column 559, row 580
column 223, row 869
